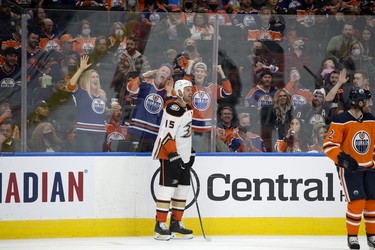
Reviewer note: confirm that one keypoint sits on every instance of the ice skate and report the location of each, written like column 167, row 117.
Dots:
column 179, row 231
column 162, row 231
column 353, row 242
column 371, row 241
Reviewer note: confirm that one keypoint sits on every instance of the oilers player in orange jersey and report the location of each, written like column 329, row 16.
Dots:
column 173, row 148
column 350, row 144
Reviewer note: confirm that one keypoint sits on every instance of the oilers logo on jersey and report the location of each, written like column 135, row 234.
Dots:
column 361, row 142
column 98, row 106
column 265, row 101
column 316, row 118
column 87, row 48
column 7, row 83
column 52, row 45
column 265, row 36
column 201, row 100
column 220, row 18
column 154, row 18
column 298, row 101
column 153, row 103
column 115, row 136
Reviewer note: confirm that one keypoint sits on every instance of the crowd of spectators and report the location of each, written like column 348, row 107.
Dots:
column 284, row 68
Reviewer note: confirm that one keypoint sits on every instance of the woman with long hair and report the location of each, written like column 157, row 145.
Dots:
column 91, row 107
column 201, row 29
column 276, row 117
column 294, row 140
column 45, row 139
column 318, row 134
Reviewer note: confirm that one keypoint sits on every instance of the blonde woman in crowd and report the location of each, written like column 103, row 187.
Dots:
column 318, row 134
column 91, row 108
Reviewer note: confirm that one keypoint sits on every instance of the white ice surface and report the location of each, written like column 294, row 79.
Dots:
column 198, row 243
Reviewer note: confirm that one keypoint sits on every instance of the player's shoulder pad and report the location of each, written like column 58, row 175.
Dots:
column 174, row 109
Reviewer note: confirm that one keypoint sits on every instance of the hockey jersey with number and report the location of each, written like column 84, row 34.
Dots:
column 175, row 133
column 353, row 137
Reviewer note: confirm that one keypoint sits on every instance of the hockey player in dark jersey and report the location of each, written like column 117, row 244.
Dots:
column 173, row 148
column 350, row 144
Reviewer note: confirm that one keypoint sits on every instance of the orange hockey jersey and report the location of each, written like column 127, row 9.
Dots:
column 355, row 138
column 202, row 103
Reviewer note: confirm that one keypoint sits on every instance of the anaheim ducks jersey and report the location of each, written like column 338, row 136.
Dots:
column 355, row 138
column 175, row 133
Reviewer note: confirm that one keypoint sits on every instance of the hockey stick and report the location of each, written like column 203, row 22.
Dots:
column 196, row 204
column 316, row 78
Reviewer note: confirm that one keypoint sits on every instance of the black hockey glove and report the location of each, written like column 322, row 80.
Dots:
column 192, row 159
column 176, row 163
column 347, row 162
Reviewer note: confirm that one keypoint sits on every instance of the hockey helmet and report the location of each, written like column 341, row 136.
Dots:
column 359, row 94
column 181, row 84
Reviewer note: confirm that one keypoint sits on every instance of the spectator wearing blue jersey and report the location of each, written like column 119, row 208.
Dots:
column 153, row 90
column 91, row 108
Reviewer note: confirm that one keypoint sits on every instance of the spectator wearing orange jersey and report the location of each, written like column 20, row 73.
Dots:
column 202, row 102
column 116, row 129
column 84, row 42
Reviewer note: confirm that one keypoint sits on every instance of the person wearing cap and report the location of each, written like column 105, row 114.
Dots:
column 202, row 101
column 40, row 114
column 350, row 145
column 66, row 43
column 314, row 112
column 261, row 95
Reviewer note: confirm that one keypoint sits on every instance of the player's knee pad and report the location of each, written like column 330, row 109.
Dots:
column 165, row 193
column 181, row 192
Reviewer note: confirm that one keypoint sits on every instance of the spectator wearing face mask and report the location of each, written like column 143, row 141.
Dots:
column 356, row 61
column 84, row 42
column 215, row 10
column 297, row 58
column 45, row 139
column 117, row 39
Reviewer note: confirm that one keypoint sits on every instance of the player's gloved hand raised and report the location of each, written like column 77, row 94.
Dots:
column 347, row 162
column 176, row 162
column 192, row 159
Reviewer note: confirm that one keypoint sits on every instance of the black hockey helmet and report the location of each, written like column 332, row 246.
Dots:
column 359, row 94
